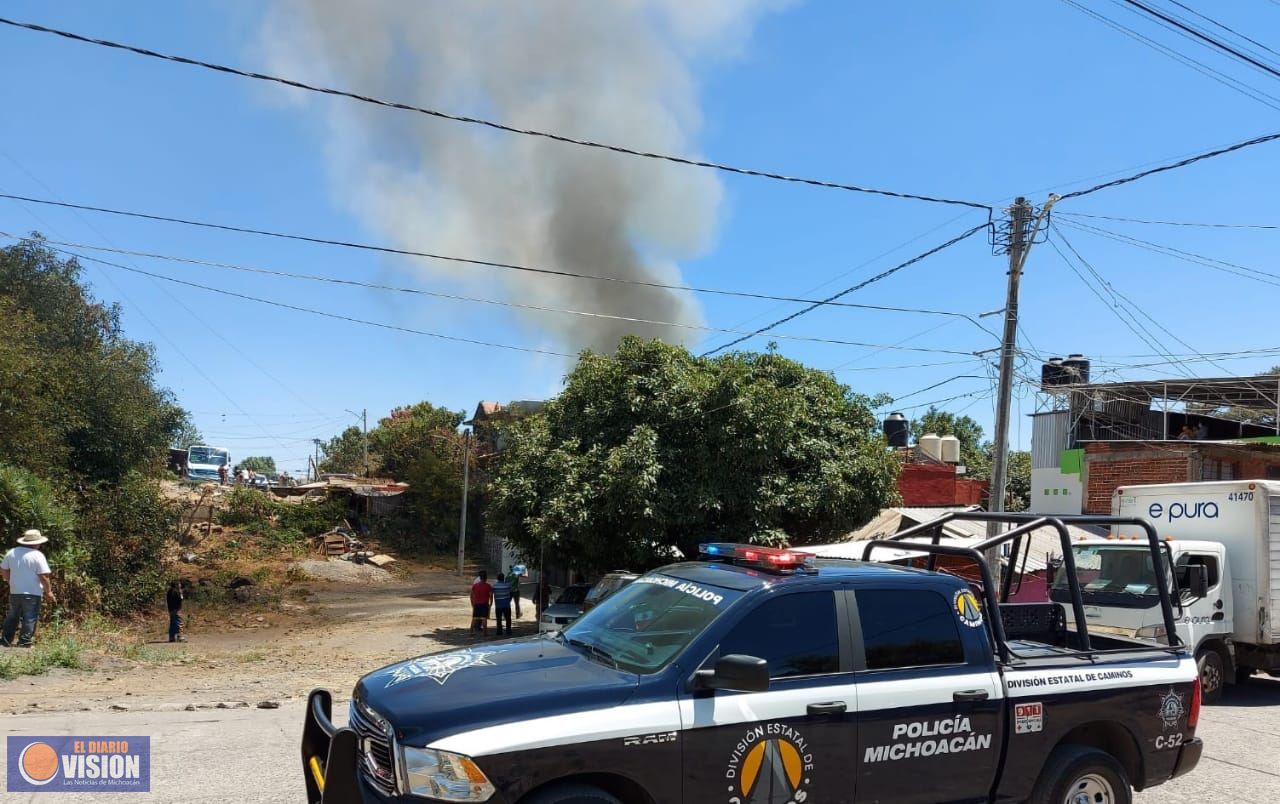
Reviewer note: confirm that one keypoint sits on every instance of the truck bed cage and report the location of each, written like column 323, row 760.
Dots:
column 1023, row 525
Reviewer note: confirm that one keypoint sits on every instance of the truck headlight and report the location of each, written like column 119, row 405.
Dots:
column 444, row 776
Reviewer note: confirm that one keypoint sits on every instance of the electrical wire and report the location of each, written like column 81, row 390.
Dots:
column 1175, row 165
column 474, row 261
column 1173, row 223
column 1243, row 271
column 1228, row 81
column 490, row 124
column 441, row 336
column 1226, row 28
column 1117, row 294
column 1133, row 326
column 882, row 275
column 1211, row 41
column 457, row 297
column 897, row 399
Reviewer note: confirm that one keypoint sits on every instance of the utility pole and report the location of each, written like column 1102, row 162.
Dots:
column 364, row 424
column 1024, row 223
column 466, row 480
column 363, row 415
column 315, row 463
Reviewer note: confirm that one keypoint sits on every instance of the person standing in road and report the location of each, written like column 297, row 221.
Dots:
column 502, row 603
column 26, row 571
column 174, row 599
column 481, row 596
column 222, row 475
column 513, row 578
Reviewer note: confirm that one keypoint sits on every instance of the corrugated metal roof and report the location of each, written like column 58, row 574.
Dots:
column 1038, row 547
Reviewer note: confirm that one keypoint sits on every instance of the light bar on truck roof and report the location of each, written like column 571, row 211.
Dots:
column 773, row 559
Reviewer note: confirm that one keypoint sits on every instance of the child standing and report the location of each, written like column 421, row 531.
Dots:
column 174, row 599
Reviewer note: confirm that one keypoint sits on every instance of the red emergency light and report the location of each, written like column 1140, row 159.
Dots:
column 778, row 559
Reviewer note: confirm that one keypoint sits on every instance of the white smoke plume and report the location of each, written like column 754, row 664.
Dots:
column 614, row 71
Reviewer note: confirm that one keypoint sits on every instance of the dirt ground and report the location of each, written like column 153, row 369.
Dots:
column 328, row 638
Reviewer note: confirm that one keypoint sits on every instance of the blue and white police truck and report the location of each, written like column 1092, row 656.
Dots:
column 766, row 676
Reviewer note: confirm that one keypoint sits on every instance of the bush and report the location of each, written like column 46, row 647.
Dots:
column 26, row 501
column 125, row 529
column 249, row 509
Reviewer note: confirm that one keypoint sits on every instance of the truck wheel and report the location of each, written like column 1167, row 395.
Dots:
column 1212, row 676
column 1078, row 774
column 572, row 794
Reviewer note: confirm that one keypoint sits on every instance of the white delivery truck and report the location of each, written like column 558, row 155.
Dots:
column 1223, row 541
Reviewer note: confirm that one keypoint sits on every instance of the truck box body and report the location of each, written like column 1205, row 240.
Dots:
column 1243, row 516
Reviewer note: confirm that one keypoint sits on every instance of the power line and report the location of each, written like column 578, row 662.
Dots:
column 1226, row 28
column 1207, row 39
column 882, row 275
column 1175, row 165
column 483, row 122
column 917, row 392
column 1116, row 293
column 1133, row 326
column 457, row 297
column 469, row 260
column 441, row 336
column 1175, row 223
column 1228, row 81
column 1243, row 271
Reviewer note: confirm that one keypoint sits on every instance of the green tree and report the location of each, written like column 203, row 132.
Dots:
column 186, row 434
column 401, row 439
column 263, row 464
column 77, row 399
column 344, row 453
column 975, row 454
column 1018, row 490
column 649, row 451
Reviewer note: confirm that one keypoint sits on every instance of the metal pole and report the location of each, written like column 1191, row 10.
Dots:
column 466, row 480
column 1022, row 233
column 1165, row 386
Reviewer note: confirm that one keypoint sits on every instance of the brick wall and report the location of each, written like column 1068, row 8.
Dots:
column 1109, row 465
column 923, row 484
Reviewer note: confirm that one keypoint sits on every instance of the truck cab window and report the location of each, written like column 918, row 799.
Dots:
column 908, row 628
column 1210, row 564
column 796, row 634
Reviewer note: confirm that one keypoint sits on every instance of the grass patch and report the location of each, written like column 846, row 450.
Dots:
column 249, row 657
column 51, row 651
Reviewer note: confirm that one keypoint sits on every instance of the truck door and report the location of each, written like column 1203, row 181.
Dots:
column 929, row 699
column 794, row 742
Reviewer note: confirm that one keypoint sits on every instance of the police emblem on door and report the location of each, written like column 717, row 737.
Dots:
column 967, row 608
column 770, row 765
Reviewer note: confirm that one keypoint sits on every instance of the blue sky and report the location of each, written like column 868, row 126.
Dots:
column 978, row 101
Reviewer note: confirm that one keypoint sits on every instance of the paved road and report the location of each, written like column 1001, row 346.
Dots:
column 251, row 755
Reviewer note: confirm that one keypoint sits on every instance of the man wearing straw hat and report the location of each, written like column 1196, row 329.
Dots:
column 26, row 571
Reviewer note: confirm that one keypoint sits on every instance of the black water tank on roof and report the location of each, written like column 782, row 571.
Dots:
column 1077, row 370
column 1052, row 374
column 897, row 430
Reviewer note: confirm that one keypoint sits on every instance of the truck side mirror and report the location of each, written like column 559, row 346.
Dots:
column 1197, row 582
column 735, row 672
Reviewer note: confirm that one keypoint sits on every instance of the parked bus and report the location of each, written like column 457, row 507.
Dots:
column 203, row 462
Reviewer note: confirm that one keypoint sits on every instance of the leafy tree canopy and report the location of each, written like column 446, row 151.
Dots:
column 263, row 464
column 651, row 451
column 77, row 399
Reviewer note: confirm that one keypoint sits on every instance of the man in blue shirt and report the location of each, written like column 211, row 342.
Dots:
column 502, row 603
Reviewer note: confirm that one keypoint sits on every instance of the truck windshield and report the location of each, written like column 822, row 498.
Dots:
column 1113, row 576
column 642, row 627
column 207, row 455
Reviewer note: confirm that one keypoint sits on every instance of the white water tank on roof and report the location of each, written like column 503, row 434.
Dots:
column 931, row 445
column 950, row 448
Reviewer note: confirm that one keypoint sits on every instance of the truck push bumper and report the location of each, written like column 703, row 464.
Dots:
column 328, row 755
column 1188, row 756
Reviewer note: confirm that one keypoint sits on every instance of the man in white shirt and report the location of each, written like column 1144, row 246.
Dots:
column 26, row 571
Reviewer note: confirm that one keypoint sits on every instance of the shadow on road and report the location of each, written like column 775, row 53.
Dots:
column 1259, row 691
column 464, row 637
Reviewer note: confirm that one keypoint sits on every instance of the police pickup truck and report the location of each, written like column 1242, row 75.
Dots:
column 765, row 676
